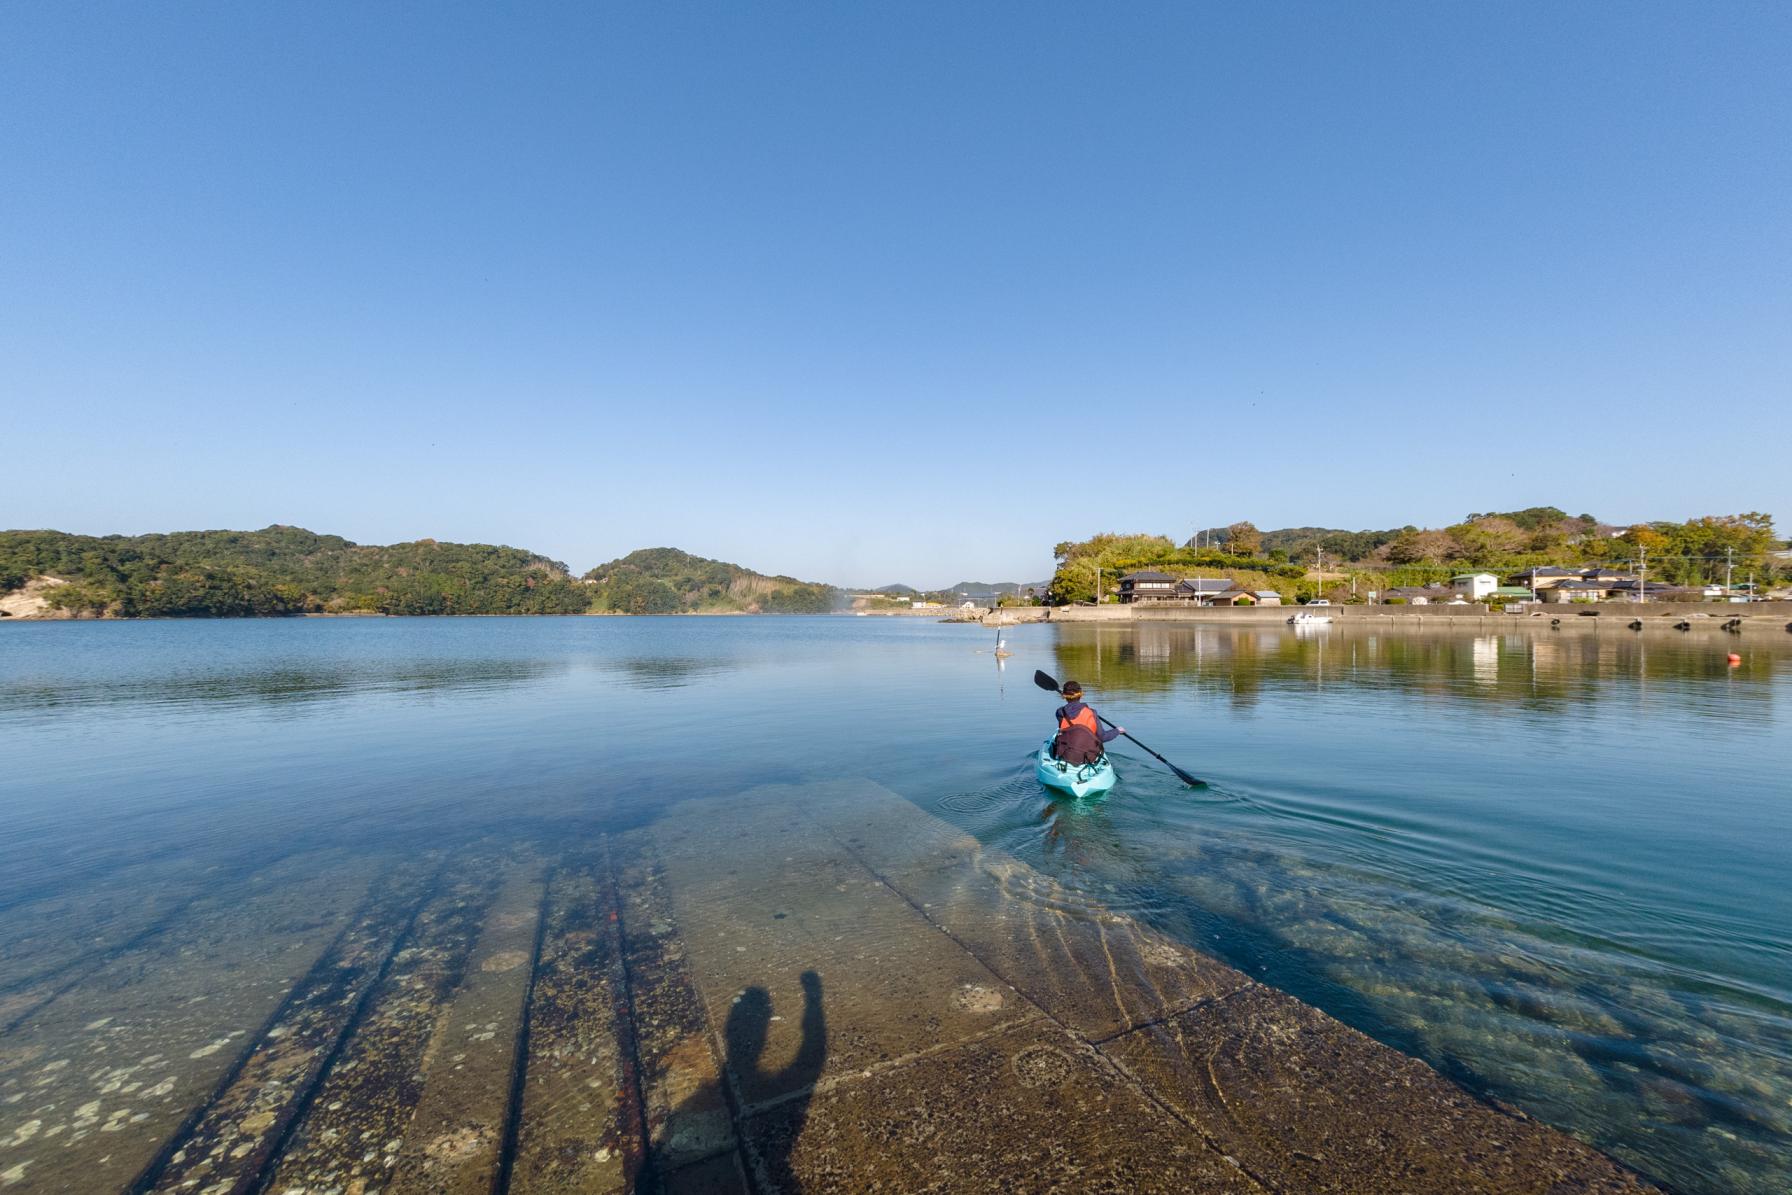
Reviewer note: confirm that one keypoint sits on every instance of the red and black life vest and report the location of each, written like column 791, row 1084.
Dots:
column 1079, row 737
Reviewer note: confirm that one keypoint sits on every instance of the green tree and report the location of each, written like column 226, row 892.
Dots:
column 1243, row 539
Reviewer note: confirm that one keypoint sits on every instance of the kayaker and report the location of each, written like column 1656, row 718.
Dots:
column 1080, row 735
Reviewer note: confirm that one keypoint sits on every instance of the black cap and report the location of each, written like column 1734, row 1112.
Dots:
column 1071, row 688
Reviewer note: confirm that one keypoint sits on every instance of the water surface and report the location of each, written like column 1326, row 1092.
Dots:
column 1551, row 864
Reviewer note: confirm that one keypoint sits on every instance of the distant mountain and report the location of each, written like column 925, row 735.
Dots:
column 279, row 570
column 1007, row 587
column 288, row 570
column 668, row 581
column 969, row 588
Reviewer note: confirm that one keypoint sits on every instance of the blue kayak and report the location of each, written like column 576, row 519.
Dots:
column 1079, row 780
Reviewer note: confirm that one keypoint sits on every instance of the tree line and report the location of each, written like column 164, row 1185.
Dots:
column 1108, row 556
column 1695, row 552
column 283, row 571
column 668, row 581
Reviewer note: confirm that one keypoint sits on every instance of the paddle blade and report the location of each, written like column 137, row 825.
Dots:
column 1191, row 781
column 1045, row 682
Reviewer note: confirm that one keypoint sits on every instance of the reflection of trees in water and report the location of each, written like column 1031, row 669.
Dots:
column 1152, row 658
column 1530, row 669
column 276, row 686
column 669, row 672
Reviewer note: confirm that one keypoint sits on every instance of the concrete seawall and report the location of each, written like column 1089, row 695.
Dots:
column 1757, row 618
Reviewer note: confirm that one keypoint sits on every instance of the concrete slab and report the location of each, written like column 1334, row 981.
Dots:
column 1029, row 1109
column 1098, row 972
column 720, row 1175
column 580, row 1128
column 811, row 988
column 771, row 930
column 885, row 832
column 1306, row 1103
column 354, row 1125
column 234, row 1138
column 452, row 1143
column 719, row 849
column 683, row 1102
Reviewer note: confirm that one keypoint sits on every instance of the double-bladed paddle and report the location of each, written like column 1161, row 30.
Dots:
column 1047, row 683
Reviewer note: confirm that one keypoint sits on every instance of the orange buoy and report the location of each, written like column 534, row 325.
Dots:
column 1735, row 659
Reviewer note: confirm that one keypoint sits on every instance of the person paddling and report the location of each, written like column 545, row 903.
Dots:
column 1080, row 737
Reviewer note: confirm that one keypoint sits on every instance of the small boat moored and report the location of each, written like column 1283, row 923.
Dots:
column 1304, row 619
column 1079, row 780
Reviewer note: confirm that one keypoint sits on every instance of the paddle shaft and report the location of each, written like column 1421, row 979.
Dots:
column 1180, row 773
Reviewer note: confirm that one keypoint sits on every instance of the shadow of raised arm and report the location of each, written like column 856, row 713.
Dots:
column 805, row 1069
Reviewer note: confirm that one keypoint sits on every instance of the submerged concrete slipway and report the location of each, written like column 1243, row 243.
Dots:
column 500, row 973
column 855, row 997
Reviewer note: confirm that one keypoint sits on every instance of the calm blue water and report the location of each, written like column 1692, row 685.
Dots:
column 1553, row 865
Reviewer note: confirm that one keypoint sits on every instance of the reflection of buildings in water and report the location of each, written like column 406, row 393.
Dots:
column 1152, row 644
column 1606, row 655
column 1548, row 660
column 1486, row 650
column 1563, row 670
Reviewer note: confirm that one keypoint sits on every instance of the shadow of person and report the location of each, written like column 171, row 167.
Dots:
column 744, row 1037
column 701, row 1120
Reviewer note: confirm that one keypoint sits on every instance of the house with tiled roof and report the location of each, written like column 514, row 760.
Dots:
column 1147, row 585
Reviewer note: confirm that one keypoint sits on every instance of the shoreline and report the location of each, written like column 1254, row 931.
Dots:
column 1753, row 619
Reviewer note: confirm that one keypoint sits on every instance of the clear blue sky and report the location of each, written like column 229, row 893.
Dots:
column 889, row 292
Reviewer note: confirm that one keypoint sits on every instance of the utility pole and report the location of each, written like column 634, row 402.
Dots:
column 1729, row 568
column 1098, row 585
column 1642, row 574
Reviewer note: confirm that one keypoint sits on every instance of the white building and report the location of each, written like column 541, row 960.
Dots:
column 1474, row 586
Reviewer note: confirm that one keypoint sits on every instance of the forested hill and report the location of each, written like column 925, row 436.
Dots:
column 668, row 581
column 282, row 570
